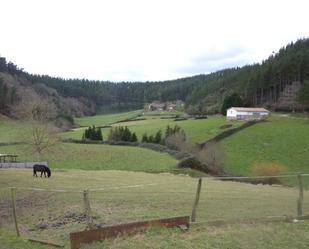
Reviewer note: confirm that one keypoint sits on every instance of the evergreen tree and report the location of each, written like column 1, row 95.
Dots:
column 93, row 133
column 133, row 137
column 158, row 137
column 145, row 138
column 151, row 139
column 233, row 100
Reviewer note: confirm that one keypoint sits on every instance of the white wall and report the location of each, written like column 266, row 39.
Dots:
column 233, row 114
column 21, row 164
column 230, row 113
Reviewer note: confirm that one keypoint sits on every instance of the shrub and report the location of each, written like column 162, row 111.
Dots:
column 180, row 119
column 190, row 162
column 201, row 117
column 121, row 133
column 212, row 156
column 176, row 141
column 173, row 130
column 158, row 137
column 145, row 138
column 93, row 133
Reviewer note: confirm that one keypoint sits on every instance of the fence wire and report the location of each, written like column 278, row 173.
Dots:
column 52, row 214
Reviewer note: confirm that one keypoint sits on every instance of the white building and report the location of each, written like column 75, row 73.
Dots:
column 245, row 113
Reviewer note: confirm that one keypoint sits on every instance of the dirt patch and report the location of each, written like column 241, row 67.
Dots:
column 71, row 217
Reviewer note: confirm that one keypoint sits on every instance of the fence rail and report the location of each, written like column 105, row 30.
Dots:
column 54, row 213
column 26, row 165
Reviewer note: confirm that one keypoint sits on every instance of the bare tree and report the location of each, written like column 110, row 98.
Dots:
column 41, row 135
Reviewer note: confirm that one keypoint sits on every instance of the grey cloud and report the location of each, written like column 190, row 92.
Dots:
column 215, row 61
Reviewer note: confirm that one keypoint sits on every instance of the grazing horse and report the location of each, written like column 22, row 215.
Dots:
column 41, row 168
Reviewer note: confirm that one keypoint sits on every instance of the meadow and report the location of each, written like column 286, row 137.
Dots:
column 98, row 157
column 282, row 138
column 12, row 131
column 121, row 191
column 197, row 130
column 100, row 120
column 121, row 196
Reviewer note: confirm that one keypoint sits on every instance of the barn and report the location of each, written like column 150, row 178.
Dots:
column 246, row 113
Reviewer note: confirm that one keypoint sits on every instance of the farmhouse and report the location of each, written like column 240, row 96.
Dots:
column 245, row 113
column 165, row 106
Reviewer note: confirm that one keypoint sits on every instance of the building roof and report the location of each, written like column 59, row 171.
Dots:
column 249, row 109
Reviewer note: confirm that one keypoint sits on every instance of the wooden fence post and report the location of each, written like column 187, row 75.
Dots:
column 301, row 195
column 197, row 198
column 13, row 194
column 87, row 209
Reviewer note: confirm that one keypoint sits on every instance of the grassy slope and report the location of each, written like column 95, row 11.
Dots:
column 197, row 130
column 169, row 195
column 282, row 139
column 81, row 156
column 107, row 119
column 11, row 131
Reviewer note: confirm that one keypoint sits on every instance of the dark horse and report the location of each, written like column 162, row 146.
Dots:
column 41, row 168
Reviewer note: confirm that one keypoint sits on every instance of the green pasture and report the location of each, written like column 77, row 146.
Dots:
column 12, row 131
column 281, row 138
column 238, row 236
column 100, row 120
column 197, row 130
column 120, row 196
column 98, row 157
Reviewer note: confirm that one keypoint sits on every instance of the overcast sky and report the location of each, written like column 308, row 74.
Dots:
column 140, row 40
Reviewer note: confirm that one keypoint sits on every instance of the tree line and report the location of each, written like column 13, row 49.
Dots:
column 203, row 94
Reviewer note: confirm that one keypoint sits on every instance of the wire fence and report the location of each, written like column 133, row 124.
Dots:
column 52, row 214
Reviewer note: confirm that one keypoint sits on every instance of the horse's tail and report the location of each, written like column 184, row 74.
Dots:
column 48, row 172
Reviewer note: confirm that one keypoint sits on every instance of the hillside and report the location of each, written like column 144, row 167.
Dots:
column 275, row 83
column 283, row 139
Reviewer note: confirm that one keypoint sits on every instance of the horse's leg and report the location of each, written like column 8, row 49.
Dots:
column 41, row 173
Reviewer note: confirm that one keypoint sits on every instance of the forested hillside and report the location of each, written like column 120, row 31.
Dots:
column 280, row 83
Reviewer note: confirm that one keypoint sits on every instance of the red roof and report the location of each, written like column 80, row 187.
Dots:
column 249, row 109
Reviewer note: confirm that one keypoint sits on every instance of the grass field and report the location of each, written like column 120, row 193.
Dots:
column 283, row 139
column 12, row 131
column 100, row 120
column 197, row 130
column 119, row 196
column 99, row 157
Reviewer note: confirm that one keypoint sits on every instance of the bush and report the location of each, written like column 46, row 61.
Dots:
column 180, row 119
column 93, row 133
column 201, row 117
column 212, row 156
column 121, row 133
column 269, row 169
column 190, row 162
column 174, row 130
column 176, row 141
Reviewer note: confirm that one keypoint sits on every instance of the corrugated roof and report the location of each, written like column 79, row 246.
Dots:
column 249, row 109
